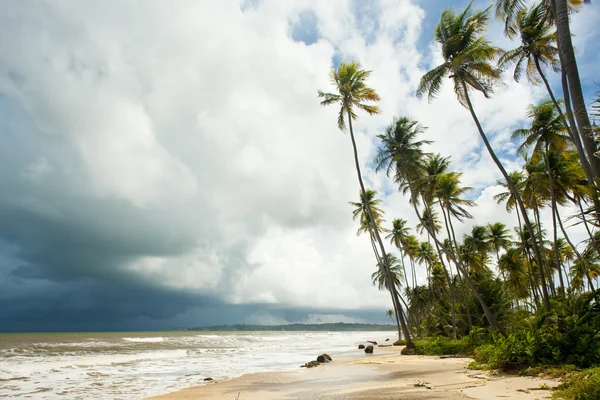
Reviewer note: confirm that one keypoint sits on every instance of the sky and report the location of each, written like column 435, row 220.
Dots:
column 168, row 164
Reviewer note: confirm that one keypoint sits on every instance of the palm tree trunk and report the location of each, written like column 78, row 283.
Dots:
column 571, row 128
column 546, row 266
column 395, row 301
column 554, row 227
column 409, row 343
column 584, row 219
column 465, row 294
column 450, row 287
column 569, row 65
column 568, row 239
column 450, row 283
column 403, row 267
column 515, row 194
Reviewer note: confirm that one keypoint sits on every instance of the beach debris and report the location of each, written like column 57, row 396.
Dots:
column 374, row 343
column 324, row 358
column 310, row 364
column 369, row 349
column 361, row 346
column 208, row 379
column 426, row 385
column 387, row 340
column 384, row 345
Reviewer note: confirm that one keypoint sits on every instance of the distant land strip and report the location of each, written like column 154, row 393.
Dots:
column 339, row 327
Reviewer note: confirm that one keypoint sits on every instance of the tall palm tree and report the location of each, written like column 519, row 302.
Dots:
column 546, row 136
column 538, row 51
column 512, row 265
column 499, row 237
column 360, row 212
column 467, row 61
column 352, row 95
column 381, row 280
column 397, row 237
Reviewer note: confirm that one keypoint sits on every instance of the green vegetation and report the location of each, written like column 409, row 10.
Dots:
column 584, row 385
column 513, row 297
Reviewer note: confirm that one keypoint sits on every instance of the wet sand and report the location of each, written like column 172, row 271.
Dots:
column 386, row 375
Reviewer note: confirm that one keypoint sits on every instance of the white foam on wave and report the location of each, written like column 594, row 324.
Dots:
column 145, row 339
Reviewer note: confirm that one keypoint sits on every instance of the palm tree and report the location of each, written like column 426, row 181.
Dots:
column 353, row 94
column 380, row 277
column 499, row 237
column 512, row 265
column 401, row 137
column 538, row 51
column 546, row 137
column 370, row 226
column 361, row 213
column 397, row 237
column 467, row 56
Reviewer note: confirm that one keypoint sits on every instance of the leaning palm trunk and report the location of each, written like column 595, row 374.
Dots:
column 515, row 194
column 554, row 227
column 450, row 283
column 395, row 301
column 546, row 266
column 409, row 343
column 465, row 293
column 577, row 253
column 569, row 65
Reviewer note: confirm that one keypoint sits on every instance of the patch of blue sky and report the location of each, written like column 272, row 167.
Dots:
column 367, row 15
column 306, row 28
column 249, row 5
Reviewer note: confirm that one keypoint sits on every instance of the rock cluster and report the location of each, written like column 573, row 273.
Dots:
column 369, row 349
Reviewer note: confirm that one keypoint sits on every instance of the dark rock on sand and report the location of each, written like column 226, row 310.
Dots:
column 321, row 359
column 361, row 346
column 387, row 340
column 324, row 358
column 327, row 357
column 208, row 379
column 369, row 349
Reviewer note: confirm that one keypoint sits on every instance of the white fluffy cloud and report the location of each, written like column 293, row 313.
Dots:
column 201, row 119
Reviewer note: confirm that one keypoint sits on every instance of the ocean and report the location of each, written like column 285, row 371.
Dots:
column 135, row 365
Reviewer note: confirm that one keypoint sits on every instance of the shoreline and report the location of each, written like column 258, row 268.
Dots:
column 384, row 375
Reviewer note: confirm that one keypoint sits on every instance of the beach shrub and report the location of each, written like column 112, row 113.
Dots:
column 569, row 334
column 400, row 342
column 439, row 346
column 584, row 385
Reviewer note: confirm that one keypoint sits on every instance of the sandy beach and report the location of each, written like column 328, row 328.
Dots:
column 385, row 375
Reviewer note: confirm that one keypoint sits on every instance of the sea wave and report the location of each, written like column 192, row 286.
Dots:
column 145, row 339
